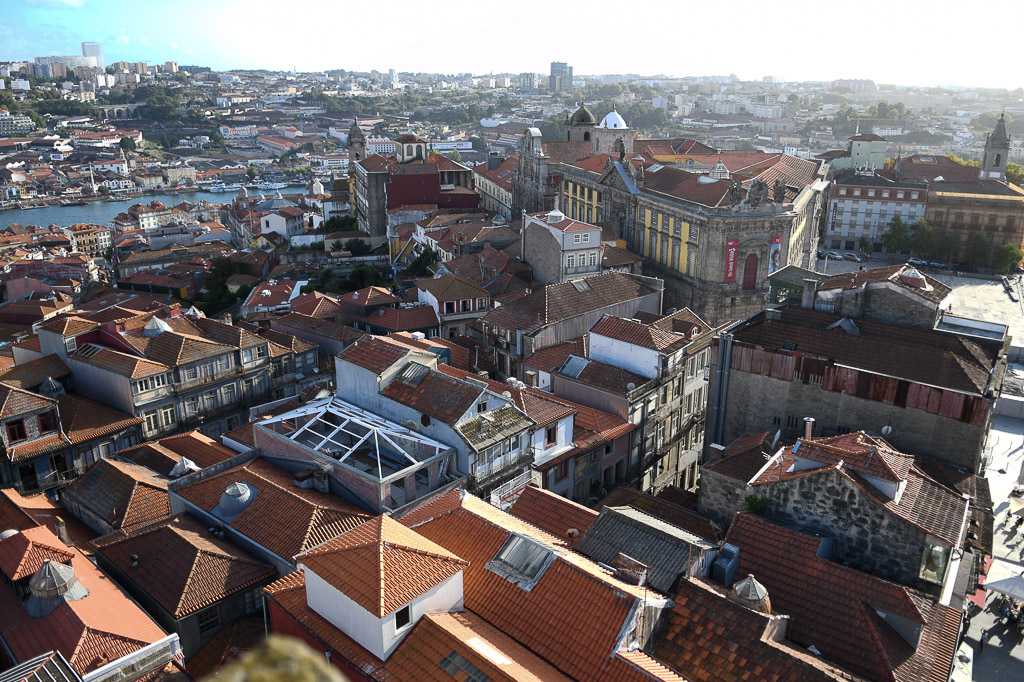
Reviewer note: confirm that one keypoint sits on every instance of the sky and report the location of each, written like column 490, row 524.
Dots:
column 894, row 41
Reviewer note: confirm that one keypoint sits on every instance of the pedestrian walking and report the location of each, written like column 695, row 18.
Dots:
column 984, row 639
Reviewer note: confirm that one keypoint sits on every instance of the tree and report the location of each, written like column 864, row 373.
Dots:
column 864, row 243
column 479, row 144
column 454, row 155
column 37, row 120
column 336, row 245
column 109, row 253
column 128, row 144
column 897, row 238
column 1015, row 173
column 1007, row 257
column 979, row 251
column 357, row 247
column 251, row 172
column 924, row 240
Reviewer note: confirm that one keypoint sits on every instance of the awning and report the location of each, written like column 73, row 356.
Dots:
column 1011, row 587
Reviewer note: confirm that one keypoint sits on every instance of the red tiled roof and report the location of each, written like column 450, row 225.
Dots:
column 833, row 608
column 373, row 353
column 442, row 397
column 369, row 296
column 557, row 302
column 122, row 363
column 90, row 632
column 162, row 454
column 181, row 565
column 709, row 638
column 29, row 375
column 23, row 554
column 745, row 456
column 551, row 358
column 935, row 290
column 283, row 518
column 382, row 565
column 452, row 288
column 14, row 401
column 638, row 334
column 403, row 319
column 83, row 419
column 551, row 513
column 125, row 495
column 573, row 616
column 918, row 355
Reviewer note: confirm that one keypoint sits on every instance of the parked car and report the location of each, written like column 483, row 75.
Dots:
column 939, row 265
column 917, row 262
column 835, row 255
column 821, row 254
column 850, row 255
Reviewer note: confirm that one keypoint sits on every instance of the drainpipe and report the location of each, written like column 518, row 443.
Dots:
column 721, row 387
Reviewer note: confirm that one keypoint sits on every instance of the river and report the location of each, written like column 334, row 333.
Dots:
column 101, row 212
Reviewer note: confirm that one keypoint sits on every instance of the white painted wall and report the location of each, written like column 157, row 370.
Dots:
column 378, row 635
column 563, row 441
column 636, row 359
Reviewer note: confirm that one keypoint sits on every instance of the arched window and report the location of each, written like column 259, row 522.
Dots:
column 568, row 136
column 998, row 160
column 408, row 150
column 586, row 137
column 750, row 273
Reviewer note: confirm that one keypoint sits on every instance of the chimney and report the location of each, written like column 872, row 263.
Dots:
column 808, row 427
column 493, row 160
column 61, row 530
column 807, row 299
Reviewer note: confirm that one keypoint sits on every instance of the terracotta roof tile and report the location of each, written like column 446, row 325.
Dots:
column 90, row 632
column 551, row 512
column 83, row 419
column 14, row 401
column 30, row 375
column 284, row 518
column 127, row 365
column 452, row 288
column 373, row 353
column 639, row 334
column 382, row 565
column 125, row 495
column 162, row 454
column 919, row 355
column 551, row 358
column 708, row 638
column 23, row 554
column 666, row 511
column 832, row 606
column 435, row 394
column 181, row 565
column 575, row 613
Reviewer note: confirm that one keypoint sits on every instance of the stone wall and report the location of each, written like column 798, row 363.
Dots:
column 870, row 538
column 885, row 304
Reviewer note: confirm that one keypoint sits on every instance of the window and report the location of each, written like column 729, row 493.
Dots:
column 152, row 420
column 229, row 394
column 403, row 617
column 70, row 344
column 593, row 258
column 570, row 261
column 871, row 192
column 48, row 422
column 253, row 600
column 192, row 406
column 522, row 556
column 449, row 307
column 481, row 303
column 550, row 436
column 481, row 406
column 885, row 194
column 562, row 471
column 856, row 191
column 168, row 414
column 585, row 238
column 934, row 563
column 209, row 620
column 261, row 351
column 454, row 662
column 466, row 305
column 15, row 430
column 577, row 238
column 900, row 194
column 191, row 373
column 842, row 191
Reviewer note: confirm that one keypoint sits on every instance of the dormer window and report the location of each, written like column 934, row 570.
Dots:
column 403, row 617
column 481, row 406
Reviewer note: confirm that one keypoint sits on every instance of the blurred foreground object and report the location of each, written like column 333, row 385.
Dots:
column 280, row 658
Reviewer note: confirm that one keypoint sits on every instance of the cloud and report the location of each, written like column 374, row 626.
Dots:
column 144, row 40
column 173, row 45
column 123, row 39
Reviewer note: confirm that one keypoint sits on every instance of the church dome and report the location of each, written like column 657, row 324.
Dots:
column 753, row 595
column 582, row 117
column 613, row 120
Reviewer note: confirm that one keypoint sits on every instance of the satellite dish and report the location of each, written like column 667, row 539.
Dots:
column 886, row 430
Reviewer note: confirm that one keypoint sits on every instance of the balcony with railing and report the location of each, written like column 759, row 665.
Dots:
column 208, row 379
column 493, row 471
column 51, row 481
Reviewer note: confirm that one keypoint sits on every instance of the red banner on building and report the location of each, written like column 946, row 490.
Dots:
column 732, row 249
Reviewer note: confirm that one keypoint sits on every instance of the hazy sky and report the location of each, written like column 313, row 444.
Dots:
column 896, row 41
